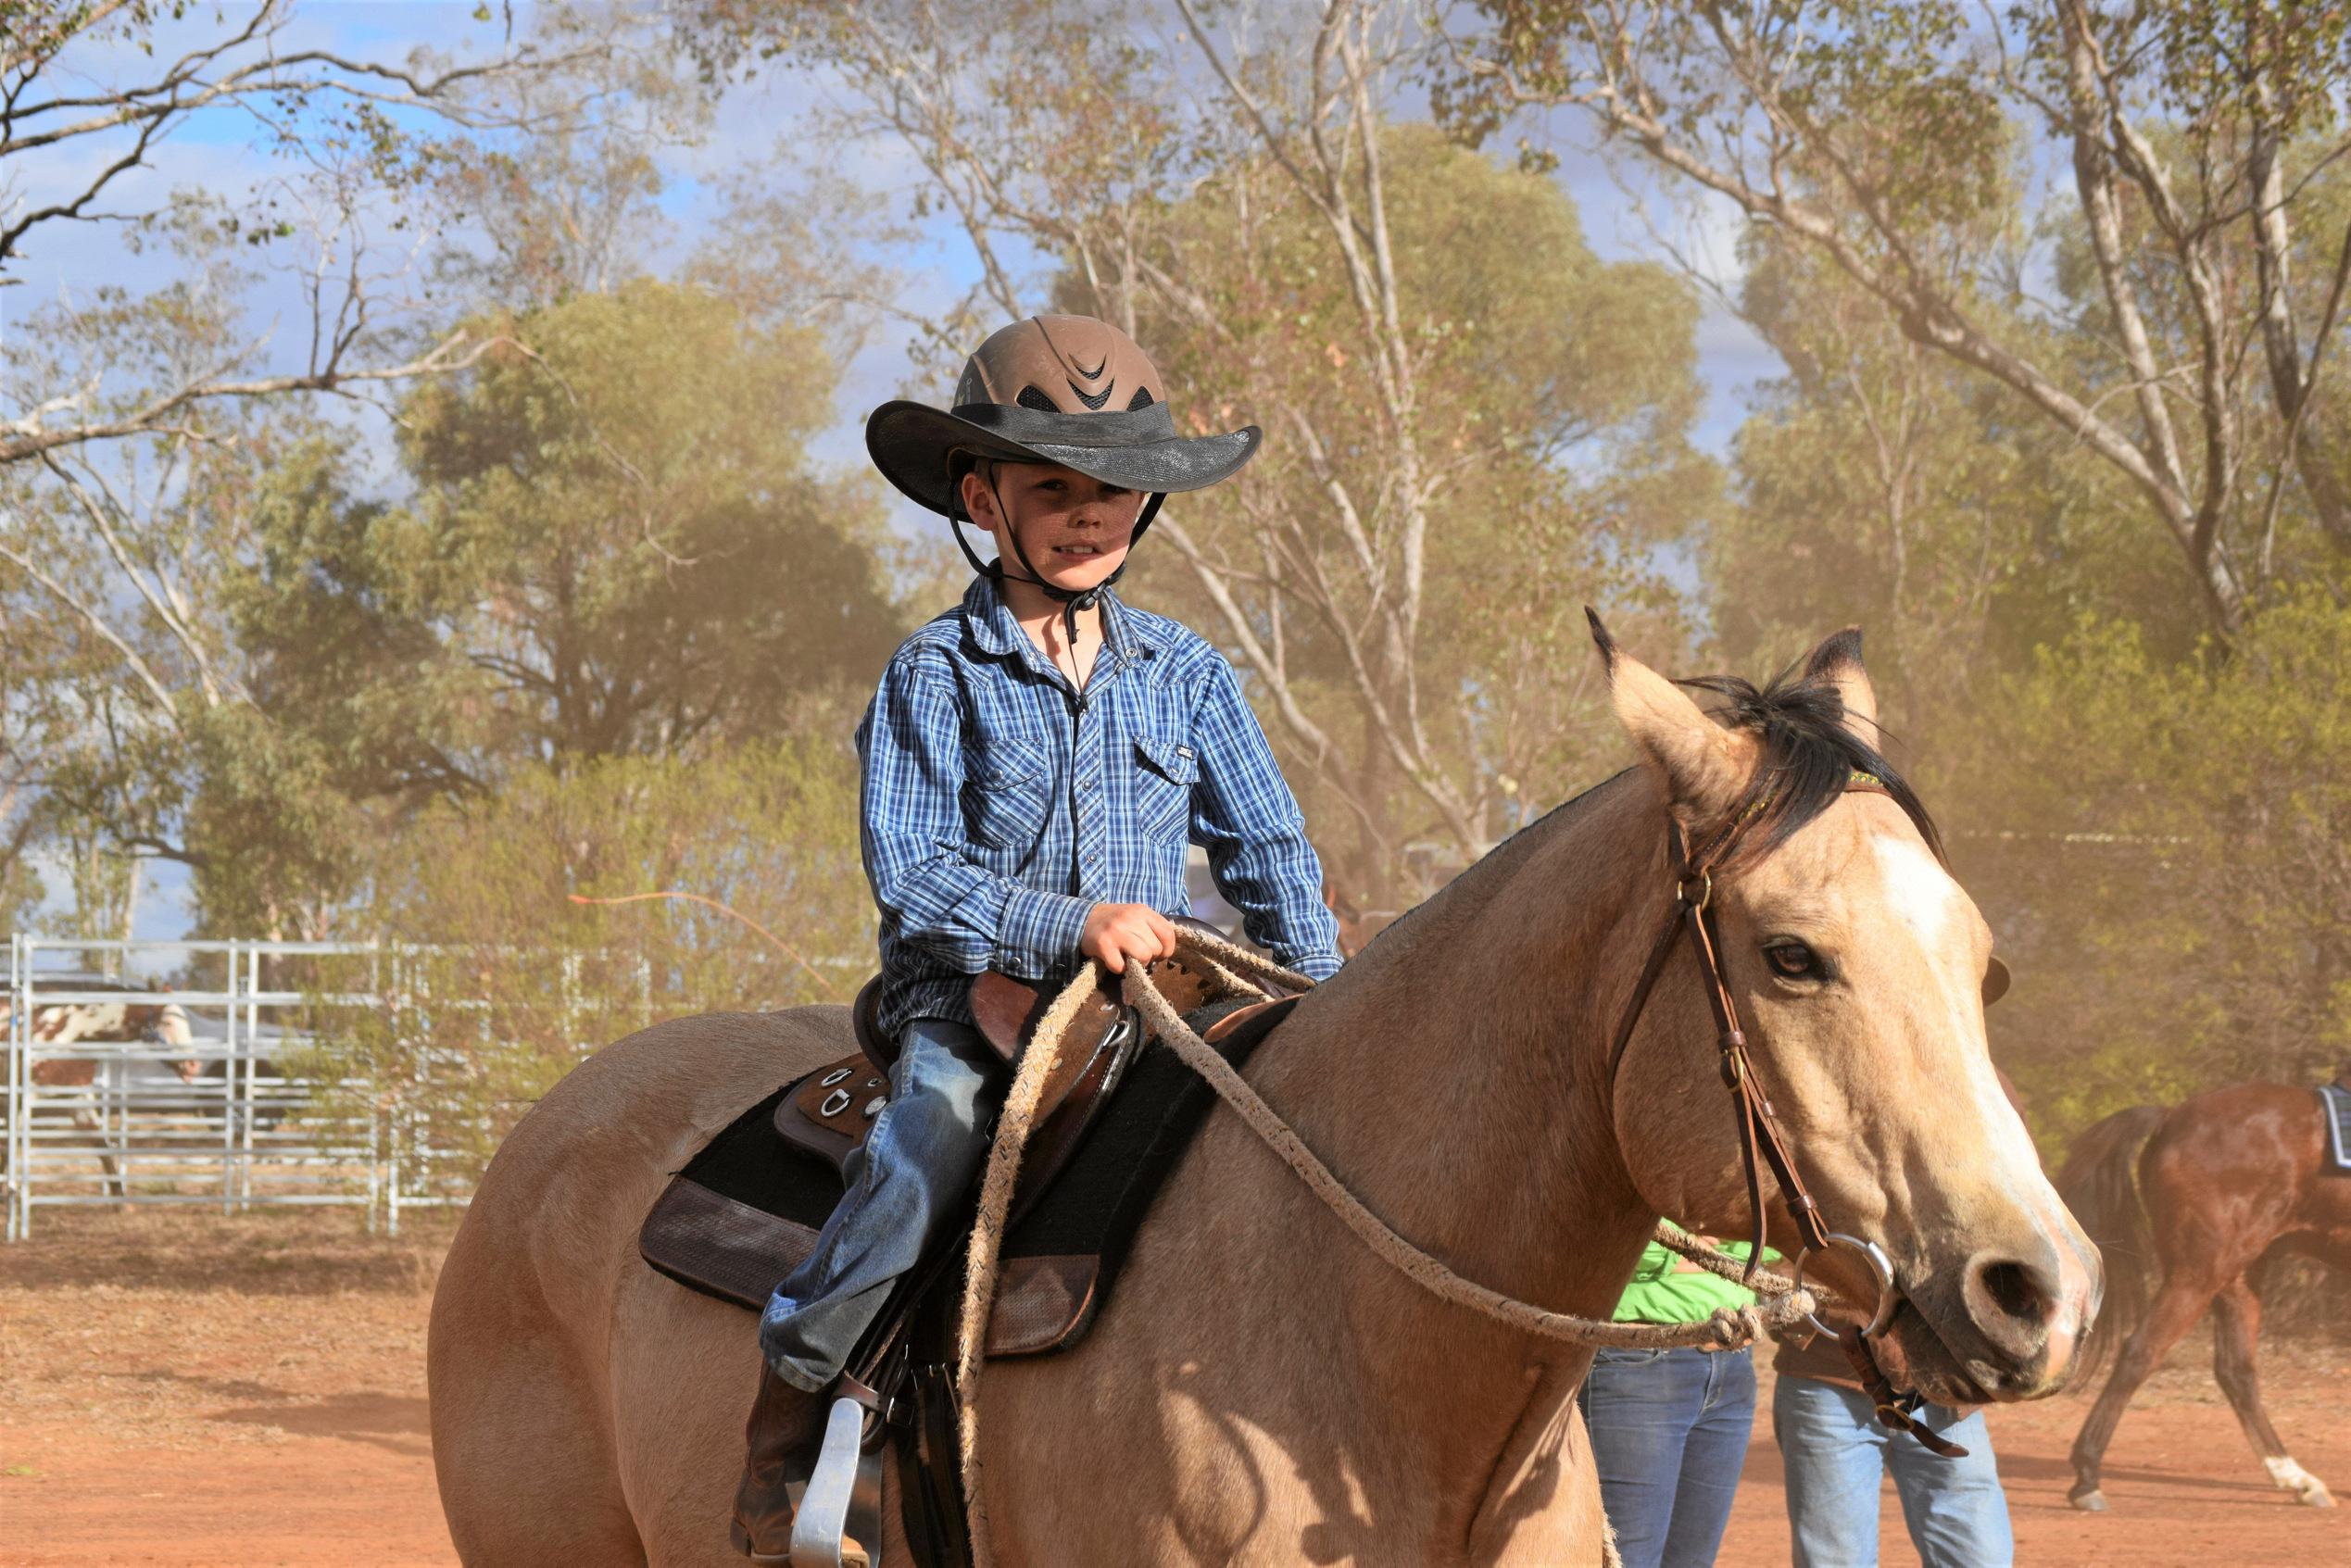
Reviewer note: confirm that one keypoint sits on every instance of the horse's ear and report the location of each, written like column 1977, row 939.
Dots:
column 1705, row 767
column 1837, row 661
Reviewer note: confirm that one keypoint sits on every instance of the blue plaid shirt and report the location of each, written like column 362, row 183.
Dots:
column 1001, row 805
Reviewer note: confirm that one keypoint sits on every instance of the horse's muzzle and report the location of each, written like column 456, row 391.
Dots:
column 2027, row 1309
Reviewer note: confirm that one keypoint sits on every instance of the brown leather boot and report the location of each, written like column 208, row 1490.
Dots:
column 778, row 1438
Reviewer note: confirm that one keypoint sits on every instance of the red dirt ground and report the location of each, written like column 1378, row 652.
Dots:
column 2182, row 1486
column 193, row 1389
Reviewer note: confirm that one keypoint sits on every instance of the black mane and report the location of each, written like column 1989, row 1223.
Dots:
column 1809, row 756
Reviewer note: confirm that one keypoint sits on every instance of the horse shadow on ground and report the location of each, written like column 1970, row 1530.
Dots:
column 396, row 1422
column 2059, row 1472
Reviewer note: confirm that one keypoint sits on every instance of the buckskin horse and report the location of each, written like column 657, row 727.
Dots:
column 2186, row 1203
column 1261, row 1388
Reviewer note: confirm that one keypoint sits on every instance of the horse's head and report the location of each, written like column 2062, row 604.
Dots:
column 166, row 1023
column 1859, row 971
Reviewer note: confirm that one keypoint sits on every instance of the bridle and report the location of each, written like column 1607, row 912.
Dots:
column 1761, row 1140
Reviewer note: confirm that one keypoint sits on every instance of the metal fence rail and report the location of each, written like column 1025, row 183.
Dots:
column 271, row 1112
column 117, row 1122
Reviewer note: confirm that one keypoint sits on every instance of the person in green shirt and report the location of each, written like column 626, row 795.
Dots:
column 1669, row 1428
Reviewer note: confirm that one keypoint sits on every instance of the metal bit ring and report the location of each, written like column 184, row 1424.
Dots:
column 1875, row 1257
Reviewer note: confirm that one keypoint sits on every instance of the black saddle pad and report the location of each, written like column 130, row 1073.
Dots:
column 2336, row 1102
column 744, row 1211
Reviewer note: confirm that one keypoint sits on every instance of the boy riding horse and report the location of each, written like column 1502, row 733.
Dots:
column 1035, row 763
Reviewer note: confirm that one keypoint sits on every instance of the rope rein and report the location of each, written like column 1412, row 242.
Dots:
column 1780, row 1303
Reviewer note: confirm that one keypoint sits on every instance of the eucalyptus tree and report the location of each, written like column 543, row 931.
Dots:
column 93, row 94
column 2190, row 146
column 1472, row 423
column 612, row 543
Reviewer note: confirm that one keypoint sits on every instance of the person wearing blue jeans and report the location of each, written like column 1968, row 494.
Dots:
column 899, row 1186
column 1669, row 1428
column 1034, row 764
column 1836, row 1456
column 1669, row 1435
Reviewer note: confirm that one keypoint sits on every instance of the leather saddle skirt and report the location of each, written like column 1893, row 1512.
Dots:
column 1117, row 1112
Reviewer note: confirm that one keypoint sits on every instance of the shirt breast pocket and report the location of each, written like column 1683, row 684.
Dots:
column 1005, row 794
column 1164, row 776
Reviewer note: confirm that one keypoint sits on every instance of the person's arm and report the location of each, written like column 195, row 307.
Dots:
column 1245, row 816
column 1645, row 1297
column 914, row 835
column 1655, row 1264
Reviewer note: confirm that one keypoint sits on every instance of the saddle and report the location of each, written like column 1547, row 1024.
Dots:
column 834, row 1108
column 744, row 1210
column 1119, row 1111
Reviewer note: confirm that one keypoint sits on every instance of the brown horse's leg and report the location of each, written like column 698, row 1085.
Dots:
column 2236, row 1338
column 88, row 1121
column 2173, row 1312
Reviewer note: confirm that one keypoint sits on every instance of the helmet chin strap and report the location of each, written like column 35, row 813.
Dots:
column 1071, row 600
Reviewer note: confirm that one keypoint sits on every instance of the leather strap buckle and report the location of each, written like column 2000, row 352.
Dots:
column 884, row 1408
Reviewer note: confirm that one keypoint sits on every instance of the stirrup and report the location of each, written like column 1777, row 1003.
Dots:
column 838, row 1522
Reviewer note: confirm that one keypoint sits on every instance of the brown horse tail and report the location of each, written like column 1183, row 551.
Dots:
column 2100, row 1184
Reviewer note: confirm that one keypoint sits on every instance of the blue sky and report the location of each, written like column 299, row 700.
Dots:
column 216, row 151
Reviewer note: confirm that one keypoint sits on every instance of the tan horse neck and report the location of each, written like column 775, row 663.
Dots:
column 1295, row 1389
column 1471, row 1042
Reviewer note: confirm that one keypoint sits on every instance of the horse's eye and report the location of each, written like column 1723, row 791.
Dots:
column 1793, row 960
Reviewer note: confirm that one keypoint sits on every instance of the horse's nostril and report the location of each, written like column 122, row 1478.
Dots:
column 2011, row 1291
column 2013, row 1305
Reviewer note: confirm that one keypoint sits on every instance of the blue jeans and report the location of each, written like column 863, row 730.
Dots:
column 1669, row 1435
column 1836, row 1454
column 905, row 1185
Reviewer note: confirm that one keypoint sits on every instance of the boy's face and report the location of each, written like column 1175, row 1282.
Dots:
column 1074, row 529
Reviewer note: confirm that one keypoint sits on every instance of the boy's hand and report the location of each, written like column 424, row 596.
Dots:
column 1118, row 932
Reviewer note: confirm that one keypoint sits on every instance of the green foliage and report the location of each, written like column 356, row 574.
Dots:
column 2198, row 268
column 1928, row 137
column 2059, row 294
column 2139, row 813
column 617, row 546
column 1553, row 394
column 21, row 891
column 497, row 982
column 2182, row 834
column 621, row 529
column 1881, row 485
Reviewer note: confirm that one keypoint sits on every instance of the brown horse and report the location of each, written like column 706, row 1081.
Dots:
column 2186, row 1201
column 1261, row 1389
